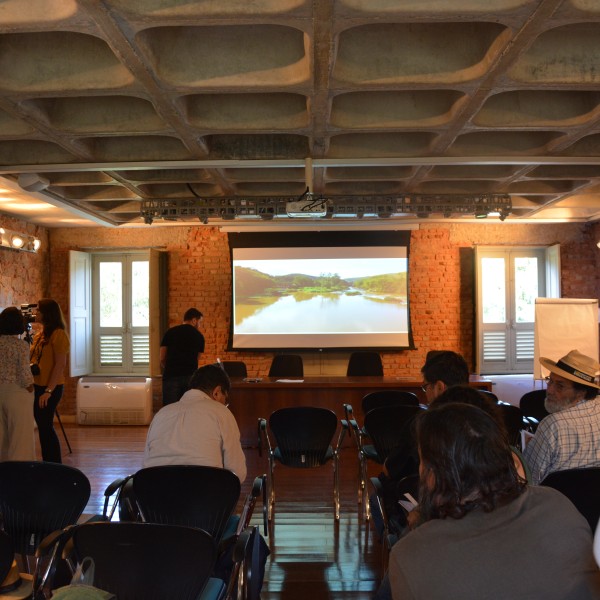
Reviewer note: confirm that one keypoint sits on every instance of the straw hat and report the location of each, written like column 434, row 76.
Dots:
column 16, row 586
column 575, row 367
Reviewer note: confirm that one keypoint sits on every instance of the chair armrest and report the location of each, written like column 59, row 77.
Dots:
column 116, row 487
column 51, row 546
column 343, row 430
column 348, row 413
column 250, row 503
column 263, row 435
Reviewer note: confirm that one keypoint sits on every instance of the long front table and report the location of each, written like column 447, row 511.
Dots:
column 250, row 400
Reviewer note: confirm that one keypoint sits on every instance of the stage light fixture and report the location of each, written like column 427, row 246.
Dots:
column 16, row 240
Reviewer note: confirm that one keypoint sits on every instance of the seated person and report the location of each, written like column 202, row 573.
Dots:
column 392, row 482
column 569, row 437
column 199, row 429
column 483, row 532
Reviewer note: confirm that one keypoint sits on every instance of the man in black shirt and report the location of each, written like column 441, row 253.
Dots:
column 180, row 351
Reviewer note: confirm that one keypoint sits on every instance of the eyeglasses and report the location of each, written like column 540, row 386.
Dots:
column 557, row 385
column 425, row 386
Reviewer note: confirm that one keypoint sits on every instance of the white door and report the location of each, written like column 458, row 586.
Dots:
column 508, row 282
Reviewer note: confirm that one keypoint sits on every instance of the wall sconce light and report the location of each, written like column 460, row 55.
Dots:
column 18, row 241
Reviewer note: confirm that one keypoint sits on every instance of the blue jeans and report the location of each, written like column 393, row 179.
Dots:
column 175, row 387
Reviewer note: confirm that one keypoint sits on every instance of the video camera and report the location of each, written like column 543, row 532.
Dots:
column 27, row 312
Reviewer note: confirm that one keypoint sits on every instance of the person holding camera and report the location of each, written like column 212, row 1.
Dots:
column 48, row 357
column 16, row 388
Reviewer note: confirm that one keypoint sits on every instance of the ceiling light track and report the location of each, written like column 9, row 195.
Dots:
column 318, row 207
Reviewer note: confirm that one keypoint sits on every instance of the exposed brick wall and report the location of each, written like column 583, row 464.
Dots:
column 23, row 276
column 441, row 280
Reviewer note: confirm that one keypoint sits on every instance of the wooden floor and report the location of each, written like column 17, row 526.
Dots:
column 312, row 556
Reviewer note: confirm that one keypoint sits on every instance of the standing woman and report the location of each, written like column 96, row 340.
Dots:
column 49, row 351
column 16, row 389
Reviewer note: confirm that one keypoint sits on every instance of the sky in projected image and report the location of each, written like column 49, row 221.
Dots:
column 320, row 296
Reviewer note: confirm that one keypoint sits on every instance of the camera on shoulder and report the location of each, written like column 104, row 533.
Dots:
column 27, row 312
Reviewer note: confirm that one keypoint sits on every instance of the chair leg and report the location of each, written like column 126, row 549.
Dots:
column 366, row 509
column 63, row 431
column 336, row 487
column 271, row 489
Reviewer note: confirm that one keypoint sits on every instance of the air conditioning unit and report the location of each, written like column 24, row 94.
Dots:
column 114, row 400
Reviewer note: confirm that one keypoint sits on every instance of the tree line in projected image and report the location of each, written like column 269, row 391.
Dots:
column 303, row 303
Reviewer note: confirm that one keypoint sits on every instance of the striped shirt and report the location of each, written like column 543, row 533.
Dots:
column 568, row 439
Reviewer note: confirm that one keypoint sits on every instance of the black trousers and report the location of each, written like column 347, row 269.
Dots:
column 44, row 418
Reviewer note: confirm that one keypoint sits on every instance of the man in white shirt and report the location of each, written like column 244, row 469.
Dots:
column 199, row 429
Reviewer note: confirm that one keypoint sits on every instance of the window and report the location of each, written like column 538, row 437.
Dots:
column 508, row 282
column 115, row 315
column 121, row 309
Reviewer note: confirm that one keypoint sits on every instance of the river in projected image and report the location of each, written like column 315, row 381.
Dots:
column 336, row 312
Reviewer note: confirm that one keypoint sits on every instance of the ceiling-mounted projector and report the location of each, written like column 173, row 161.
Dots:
column 307, row 208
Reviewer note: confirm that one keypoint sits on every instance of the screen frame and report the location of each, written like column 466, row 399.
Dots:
column 323, row 239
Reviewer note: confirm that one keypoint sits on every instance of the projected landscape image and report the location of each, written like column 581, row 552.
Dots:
column 320, row 296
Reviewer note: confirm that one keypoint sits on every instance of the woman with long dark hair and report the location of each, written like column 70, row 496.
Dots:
column 16, row 389
column 49, row 351
column 483, row 532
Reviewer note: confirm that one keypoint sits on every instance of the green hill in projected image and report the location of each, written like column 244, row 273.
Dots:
column 252, row 283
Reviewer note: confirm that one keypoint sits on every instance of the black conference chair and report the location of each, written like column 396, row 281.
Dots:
column 379, row 399
column 364, row 364
column 147, row 560
column 532, row 405
column 303, row 437
column 395, row 523
column 388, row 398
column 382, row 398
column 582, row 488
column 514, row 421
column 38, row 498
column 287, row 365
column 235, row 368
column 490, row 395
column 194, row 496
column 388, row 428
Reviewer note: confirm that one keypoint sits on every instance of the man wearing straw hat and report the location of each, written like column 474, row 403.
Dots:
column 568, row 438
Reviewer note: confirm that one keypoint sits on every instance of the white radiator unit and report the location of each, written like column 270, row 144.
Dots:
column 114, row 400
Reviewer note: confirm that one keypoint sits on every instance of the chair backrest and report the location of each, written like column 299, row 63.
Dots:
column 287, row 365
column 387, row 427
column 37, row 498
column 364, row 364
column 235, row 368
column 513, row 421
column 303, row 435
column 147, row 560
column 532, row 404
column 489, row 394
column 7, row 554
column 582, row 488
column 388, row 398
column 187, row 495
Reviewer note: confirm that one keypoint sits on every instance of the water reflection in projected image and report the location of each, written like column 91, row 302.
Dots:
column 348, row 296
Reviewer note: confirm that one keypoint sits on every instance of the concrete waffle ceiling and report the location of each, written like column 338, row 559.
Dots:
column 111, row 103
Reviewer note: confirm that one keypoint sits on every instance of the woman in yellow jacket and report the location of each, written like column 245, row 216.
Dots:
column 49, row 351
